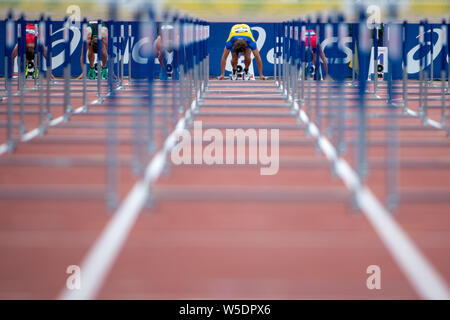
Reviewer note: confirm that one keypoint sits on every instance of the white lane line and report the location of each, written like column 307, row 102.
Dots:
column 430, row 122
column 35, row 132
column 415, row 114
column 434, row 123
column 100, row 258
column 427, row 282
column 411, row 112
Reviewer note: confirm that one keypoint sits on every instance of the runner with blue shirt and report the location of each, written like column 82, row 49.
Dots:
column 241, row 42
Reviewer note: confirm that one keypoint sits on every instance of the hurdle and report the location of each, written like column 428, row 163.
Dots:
column 395, row 58
column 296, row 91
column 319, row 120
column 51, row 92
column 156, row 102
column 110, row 139
column 363, row 163
column 8, row 86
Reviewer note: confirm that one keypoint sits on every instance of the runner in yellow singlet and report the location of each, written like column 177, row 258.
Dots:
column 241, row 42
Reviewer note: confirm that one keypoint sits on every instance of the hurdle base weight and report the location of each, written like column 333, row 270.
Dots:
column 150, row 202
column 112, row 201
column 166, row 169
column 42, row 129
column 391, row 202
column 10, row 146
column 354, row 204
column 136, row 168
column 68, row 112
column 22, row 129
column 151, row 147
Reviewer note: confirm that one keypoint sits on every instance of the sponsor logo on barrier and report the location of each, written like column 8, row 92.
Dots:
column 58, row 59
column 432, row 39
column 413, row 57
column 329, row 42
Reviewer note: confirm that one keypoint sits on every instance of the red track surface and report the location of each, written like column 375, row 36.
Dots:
column 216, row 248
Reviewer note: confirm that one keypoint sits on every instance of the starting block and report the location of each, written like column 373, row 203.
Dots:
column 240, row 73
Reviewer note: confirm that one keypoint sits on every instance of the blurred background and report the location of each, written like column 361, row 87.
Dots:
column 233, row 10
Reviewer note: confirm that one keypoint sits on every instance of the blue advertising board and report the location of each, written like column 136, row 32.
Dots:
column 338, row 61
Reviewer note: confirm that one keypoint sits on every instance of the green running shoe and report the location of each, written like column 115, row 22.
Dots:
column 104, row 73
column 28, row 71
column 36, row 73
column 91, row 73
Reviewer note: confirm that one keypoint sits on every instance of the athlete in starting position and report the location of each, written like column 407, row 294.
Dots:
column 312, row 48
column 241, row 42
column 92, row 42
column 30, row 40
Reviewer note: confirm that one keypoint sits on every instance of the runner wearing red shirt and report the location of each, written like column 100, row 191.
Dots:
column 31, row 36
column 312, row 49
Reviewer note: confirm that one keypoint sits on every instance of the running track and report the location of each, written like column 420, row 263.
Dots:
column 218, row 232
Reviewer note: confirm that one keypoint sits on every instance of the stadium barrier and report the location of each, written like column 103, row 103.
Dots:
column 127, row 48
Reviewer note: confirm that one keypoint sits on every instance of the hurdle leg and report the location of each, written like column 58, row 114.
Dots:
column 67, row 72
column 375, row 61
column 112, row 183
column 48, row 71
column 22, row 127
column 22, row 75
column 128, row 49
column 279, row 58
column 112, row 168
column 40, row 45
column 444, row 112
column 353, row 56
column 421, row 69
column 182, row 91
column 342, row 109
column 9, row 122
column 443, row 78
column 137, row 143
column 405, row 89
column 6, row 77
column 425, row 98
column 99, row 62
column 37, row 61
column 9, row 71
column 275, row 62
column 431, row 77
column 122, row 52
column 361, row 150
column 84, row 67
column 48, row 87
